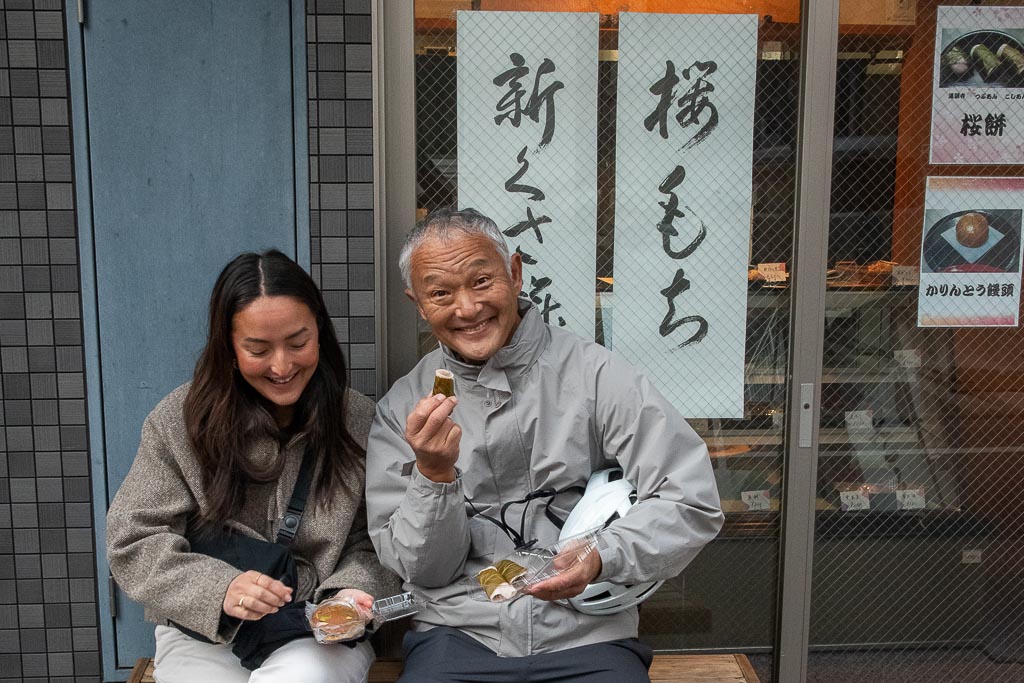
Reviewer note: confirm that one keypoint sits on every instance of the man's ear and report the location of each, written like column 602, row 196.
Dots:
column 412, row 297
column 516, row 266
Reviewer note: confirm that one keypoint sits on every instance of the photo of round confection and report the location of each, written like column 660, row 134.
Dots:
column 972, row 230
column 972, row 240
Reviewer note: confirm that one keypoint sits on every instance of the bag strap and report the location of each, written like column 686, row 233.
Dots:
column 297, row 505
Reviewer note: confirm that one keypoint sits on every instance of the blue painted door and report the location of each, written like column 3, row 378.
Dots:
column 192, row 158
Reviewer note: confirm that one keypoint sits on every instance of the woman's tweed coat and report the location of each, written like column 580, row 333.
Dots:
column 147, row 522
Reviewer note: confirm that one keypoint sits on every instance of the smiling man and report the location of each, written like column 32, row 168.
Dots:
column 455, row 484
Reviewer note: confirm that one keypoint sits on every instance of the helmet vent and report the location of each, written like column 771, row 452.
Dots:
column 615, row 475
column 600, row 596
column 614, row 516
column 632, row 497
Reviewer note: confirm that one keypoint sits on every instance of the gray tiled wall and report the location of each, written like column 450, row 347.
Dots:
column 48, row 613
column 341, row 174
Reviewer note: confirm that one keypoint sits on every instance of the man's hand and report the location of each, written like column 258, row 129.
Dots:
column 434, row 437
column 572, row 581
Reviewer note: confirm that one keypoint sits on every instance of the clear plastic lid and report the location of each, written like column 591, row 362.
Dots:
column 396, row 607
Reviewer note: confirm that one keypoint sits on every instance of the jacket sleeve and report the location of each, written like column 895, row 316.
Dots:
column 358, row 566
column 678, row 510
column 418, row 526
column 148, row 554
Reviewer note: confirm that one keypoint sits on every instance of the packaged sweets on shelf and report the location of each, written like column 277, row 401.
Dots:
column 513, row 576
column 341, row 618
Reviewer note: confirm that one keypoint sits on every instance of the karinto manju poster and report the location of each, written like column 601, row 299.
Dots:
column 978, row 86
column 527, row 141
column 971, row 253
column 684, row 141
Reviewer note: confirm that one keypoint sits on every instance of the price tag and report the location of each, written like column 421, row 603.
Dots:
column 854, row 500
column 860, row 420
column 905, row 276
column 910, row 499
column 908, row 358
column 757, row 501
column 773, row 272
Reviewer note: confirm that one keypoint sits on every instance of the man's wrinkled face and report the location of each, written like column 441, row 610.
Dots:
column 463, row 291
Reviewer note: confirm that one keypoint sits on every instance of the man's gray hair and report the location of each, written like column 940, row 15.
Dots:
column 448, row 224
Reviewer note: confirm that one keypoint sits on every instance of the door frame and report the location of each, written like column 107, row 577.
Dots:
column 75, row 25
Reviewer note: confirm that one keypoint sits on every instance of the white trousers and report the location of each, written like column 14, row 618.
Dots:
column 181, row 659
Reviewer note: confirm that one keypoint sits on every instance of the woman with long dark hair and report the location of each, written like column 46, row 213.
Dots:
column 222, row 454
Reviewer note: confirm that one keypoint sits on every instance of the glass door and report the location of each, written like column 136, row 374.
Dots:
column 918, row 548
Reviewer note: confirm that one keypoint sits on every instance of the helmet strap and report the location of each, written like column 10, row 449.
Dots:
column 518, row 537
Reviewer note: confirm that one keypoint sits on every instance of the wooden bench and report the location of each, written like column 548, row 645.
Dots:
column 666, row 668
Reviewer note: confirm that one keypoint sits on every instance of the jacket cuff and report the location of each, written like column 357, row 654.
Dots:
column 210, row 622
column 611, row 559
column 424, row 486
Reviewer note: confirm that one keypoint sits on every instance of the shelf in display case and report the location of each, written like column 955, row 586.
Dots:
column 887, row 375
column 833, row 525
column 837, row 298
column 831, row 436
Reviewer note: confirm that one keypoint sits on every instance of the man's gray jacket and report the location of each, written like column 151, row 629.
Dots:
column 545, row 411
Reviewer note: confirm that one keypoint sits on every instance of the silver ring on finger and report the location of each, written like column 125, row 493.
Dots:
column 241, row 601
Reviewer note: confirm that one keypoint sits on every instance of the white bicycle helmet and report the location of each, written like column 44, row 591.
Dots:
column 608, row 496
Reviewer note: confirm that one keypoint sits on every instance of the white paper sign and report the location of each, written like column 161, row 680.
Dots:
column 854, row 500
column 757, row 501
column 905, row 276
column 910, row 499
column 908, row 358
column 977, row 93
column 971, row 252
column 684, row 146
column 527, row 141
column 860, row 420
column 773, row 272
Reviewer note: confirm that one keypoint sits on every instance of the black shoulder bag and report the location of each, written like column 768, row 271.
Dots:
column 256, row 640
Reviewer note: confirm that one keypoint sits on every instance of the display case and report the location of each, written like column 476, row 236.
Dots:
column 880, row 428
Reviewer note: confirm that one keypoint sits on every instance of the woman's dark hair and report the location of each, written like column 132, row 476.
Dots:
column 225, row 416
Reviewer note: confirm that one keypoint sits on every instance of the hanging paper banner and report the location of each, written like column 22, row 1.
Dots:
column 527, row 141
column 978, row 86
column 971, row 253
column 684, row 141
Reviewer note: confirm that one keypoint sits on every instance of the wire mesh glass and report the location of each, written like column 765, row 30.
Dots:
column 726, row 598
column 918, row 558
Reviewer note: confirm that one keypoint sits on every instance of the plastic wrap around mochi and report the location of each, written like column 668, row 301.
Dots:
column 513, row 576
column 341, row 618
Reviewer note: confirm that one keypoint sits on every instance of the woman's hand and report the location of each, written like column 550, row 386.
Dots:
column 341, row 617
column 364, row 600
column 252, row 596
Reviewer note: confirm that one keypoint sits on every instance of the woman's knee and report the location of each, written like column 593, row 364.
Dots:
column 307, row 661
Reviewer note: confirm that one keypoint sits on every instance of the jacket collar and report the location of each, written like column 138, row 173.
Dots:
column 528, row 342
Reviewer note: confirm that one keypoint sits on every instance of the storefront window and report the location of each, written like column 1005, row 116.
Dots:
column 917, row 555
column 727, row 597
